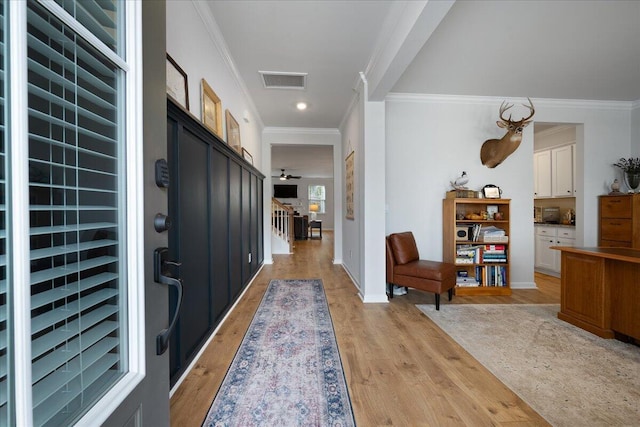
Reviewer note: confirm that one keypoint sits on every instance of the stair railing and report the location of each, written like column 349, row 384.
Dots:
column 282, row 222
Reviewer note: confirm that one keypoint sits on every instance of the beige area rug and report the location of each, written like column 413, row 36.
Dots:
column 569, row 376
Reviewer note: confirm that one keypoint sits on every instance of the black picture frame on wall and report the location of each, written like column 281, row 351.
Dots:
column 247, row 155
column 177, row 83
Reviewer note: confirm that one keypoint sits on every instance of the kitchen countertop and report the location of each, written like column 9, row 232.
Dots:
column 554, row 225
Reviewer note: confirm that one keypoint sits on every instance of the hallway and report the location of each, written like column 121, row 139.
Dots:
column 400, row 368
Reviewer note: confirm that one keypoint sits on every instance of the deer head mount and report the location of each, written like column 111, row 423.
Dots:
column 494, row 151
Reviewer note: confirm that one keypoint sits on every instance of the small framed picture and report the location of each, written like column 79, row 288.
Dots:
column 211, row 109
column 491, row 211
column 247, row 156
column 233, row 132
column 491, row 192
column 177, row 87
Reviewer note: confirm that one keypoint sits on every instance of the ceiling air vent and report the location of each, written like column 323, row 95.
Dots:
column 282, row 80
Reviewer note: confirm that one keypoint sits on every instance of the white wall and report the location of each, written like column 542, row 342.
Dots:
column 191, row 32
column 352, row 141
column 554, row 137
column 432, row 139
column 363, row 136
column 303, row 136
column 635, row 130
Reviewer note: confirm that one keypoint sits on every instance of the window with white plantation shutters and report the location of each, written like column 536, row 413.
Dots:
column 4, row 362
column 76, row 212
column 100, row 17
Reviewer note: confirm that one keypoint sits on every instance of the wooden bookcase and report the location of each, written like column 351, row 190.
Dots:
column 485, row 260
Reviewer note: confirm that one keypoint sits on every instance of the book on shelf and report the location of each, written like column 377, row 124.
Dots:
column 495, row 239
column 476, row 231
column 491, row 275
column 499, row 256
column 462, row 194
column 467, row 281
column 476, row 254
column 494, row 248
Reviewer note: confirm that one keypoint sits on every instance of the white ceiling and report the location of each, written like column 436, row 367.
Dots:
column 540, row 49
column 330, row 40
column 572, row 49
column 308, row 161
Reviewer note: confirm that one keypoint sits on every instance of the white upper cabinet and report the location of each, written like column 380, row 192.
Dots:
column 554, row 172
column 562, row 171
column 542, row 174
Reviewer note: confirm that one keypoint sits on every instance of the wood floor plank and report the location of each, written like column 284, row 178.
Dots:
column 401, row 369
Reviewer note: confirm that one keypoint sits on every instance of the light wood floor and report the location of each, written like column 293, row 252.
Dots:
column 401, row 369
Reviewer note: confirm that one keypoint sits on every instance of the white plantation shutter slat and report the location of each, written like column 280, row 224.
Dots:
column 58, row 336
column 96, row 377
column 59, row 293
column 69, row 248
column 63, row 270
column 62, row 355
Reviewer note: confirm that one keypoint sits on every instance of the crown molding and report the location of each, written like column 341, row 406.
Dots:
column 635, row 104
column 554, row 130
column 490, row 100
column 213, row 29
column 300, row 131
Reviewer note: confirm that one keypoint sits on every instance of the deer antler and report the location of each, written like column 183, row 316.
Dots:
column 504, row 107
column 530, row 107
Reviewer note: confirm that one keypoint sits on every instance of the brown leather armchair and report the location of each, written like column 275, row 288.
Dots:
column 405, row 268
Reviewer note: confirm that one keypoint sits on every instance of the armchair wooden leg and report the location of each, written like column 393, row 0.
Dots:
column 450, row 294
column 437, row 301
column 390, row 290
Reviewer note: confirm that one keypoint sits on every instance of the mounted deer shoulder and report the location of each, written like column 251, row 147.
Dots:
column 494, row 151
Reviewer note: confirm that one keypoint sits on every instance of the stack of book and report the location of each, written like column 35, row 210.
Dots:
column 463, row 279
column 494, row 253
column 466, row 254
column 493, row 234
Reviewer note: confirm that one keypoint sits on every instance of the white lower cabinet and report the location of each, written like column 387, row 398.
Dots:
column 547, row 259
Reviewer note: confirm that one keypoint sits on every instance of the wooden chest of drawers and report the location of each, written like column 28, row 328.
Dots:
column 619, row 223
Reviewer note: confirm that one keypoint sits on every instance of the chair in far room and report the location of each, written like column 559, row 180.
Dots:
column 405, row 268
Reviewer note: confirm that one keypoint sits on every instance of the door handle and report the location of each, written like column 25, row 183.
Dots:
column 162, row 275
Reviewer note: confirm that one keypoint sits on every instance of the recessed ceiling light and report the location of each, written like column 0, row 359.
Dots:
column 301, row 106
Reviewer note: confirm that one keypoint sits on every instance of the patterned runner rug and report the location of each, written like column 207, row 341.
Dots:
column 287, row 371
column 569, row 376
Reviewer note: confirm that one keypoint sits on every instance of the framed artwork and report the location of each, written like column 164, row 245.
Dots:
column 177, row 87
column 491, row 211
column 233, row 132
column 247, row 156
column 349, row 183
column 211, row 109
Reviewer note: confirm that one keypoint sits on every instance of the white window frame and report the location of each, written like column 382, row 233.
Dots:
column 323, row 204
column 18, row 212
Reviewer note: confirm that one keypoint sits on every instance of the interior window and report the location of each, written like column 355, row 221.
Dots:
column 317, row 198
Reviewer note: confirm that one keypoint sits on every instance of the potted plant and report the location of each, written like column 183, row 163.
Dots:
column 631, row 169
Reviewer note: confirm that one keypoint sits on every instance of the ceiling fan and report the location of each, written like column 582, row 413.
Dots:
column 285, row 177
